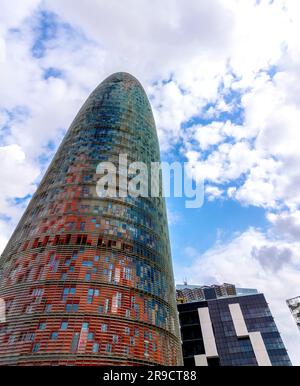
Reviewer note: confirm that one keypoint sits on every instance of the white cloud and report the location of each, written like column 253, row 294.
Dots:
column 161, row 36
column 171, row 108
column 259, row 34
column 272, row 257
column 213, row 192
column 174, row 217
column 156, row 43
column 231, row 191
column 12, row 16
column 270, row 111
column 49, row 105
column 286, row 224
column 226, row 163
column 265, row 149
column 260, row 186
column 36, row 111
column 2, row 49
column 209, row 135
column 17, row 175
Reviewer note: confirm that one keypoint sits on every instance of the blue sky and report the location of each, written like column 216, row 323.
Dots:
column 213, row 223
column 224, row 92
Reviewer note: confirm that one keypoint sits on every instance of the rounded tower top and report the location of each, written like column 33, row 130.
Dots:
column 121, row 97
column 123, row 77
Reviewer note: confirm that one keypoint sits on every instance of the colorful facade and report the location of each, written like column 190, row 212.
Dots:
column 89, row 280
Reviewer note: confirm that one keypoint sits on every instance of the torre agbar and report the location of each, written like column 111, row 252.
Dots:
column 88, row 280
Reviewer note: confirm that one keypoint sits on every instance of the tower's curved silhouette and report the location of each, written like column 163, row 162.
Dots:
column 89, row 280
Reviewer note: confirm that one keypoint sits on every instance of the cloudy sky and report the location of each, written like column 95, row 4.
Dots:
column 223, row 77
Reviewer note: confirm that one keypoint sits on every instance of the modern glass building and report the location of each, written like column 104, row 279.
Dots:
column 230, row 330
column 88, row 280
column 294, row 306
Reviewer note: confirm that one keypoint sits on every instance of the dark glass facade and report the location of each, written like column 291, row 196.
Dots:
column 89, row 280
column 232, row 350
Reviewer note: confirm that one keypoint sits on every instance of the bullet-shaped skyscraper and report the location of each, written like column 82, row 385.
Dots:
column 88, row 280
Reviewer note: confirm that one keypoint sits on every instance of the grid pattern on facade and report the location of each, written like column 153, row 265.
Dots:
column 89, row 280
